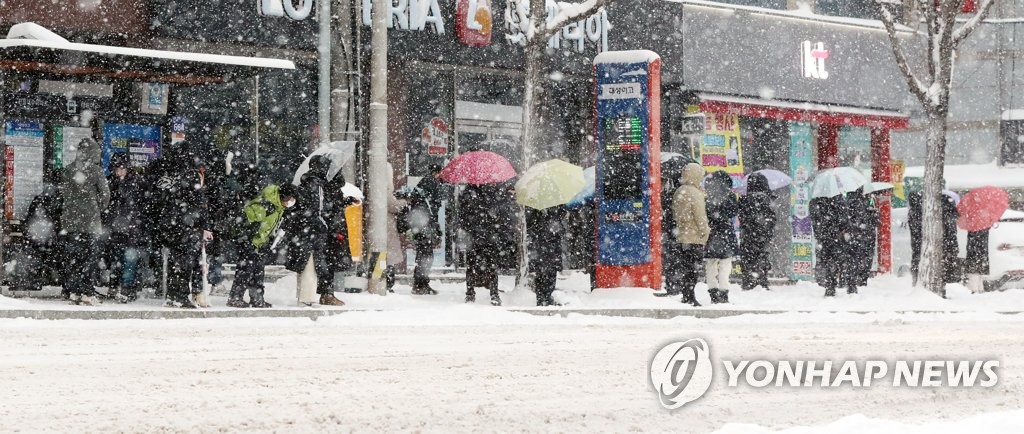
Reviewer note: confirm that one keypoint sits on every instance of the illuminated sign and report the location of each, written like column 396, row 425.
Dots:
column 812, row 60
column 281, row 8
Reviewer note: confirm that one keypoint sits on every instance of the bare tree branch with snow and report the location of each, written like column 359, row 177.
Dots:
column 931, row 86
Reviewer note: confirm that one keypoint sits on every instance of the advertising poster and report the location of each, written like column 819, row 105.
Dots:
column 65, row 144
column 801, row 165
column 721, row 148
column 141, row 142
column 899, row 194
column 25, row 139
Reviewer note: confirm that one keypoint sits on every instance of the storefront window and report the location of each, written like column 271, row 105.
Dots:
column 430, row 117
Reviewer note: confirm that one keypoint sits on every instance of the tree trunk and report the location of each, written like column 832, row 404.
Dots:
column 932, row 275
column 533, row 98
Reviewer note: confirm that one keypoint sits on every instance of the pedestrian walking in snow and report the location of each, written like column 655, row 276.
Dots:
column 950, row 245
column 976, row 263
column 757, row 228
column 42, row 256
column 486, row 215
column 691, row 234
column 308, row 230
column 722, row 207
column 545, row 228
column 339, row 251
column 123, row 220
column 863, row 225
column 177, row 215
column 85, row 195
column 829, row 220
column 424, row 228
column 263, row 216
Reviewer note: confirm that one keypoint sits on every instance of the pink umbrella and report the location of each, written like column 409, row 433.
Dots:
column 478, row 167
column 981, row 208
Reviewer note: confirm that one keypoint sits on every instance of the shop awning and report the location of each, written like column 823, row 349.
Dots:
column 803, row 111
column 30, row 47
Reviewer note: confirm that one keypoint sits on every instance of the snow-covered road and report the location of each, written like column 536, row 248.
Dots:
column 475, row 369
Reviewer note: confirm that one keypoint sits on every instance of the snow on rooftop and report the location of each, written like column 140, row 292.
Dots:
column 629, row 56
column 802, row 13
column 1013, row 115
column 34, row 35
column 968, row 176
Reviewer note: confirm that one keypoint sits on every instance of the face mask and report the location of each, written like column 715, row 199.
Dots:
column 289, row 203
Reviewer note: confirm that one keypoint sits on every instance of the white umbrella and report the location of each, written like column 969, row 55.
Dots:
column 339, row 152
column 875, row 187
column 837, row 181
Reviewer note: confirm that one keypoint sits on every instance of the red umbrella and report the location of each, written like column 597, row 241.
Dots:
column 981, row 208
column 478, row 167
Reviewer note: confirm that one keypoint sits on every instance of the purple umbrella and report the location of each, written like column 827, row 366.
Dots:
column 776, row 179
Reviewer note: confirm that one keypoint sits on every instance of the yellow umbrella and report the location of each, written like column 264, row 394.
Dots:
column 549, row 183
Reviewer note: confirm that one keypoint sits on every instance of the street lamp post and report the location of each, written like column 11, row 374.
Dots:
column 377, row 198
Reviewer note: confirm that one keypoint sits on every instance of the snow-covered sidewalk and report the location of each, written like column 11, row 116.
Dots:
column 883, row 294
column 468, row 369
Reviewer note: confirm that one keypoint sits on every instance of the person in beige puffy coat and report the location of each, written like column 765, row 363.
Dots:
column 686, row 254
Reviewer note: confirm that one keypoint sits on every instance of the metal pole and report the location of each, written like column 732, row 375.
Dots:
column 378, row 201
column 323, row 49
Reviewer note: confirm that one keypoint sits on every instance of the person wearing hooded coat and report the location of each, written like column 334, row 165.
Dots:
column 86, row 195
column 178, row 218
column 829, row 220
column 691, row 234
column 950, row 244
column 486, row 214
column 123, row 219
column 309, row 228
column 722, row 208
column 757, row 228
column 424, row 227
column 262, row 216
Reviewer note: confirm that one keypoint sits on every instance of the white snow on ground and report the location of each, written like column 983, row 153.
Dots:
column 477, row 369
column 885, row 293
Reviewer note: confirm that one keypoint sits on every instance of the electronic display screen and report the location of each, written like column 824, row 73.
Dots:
column 623, row 165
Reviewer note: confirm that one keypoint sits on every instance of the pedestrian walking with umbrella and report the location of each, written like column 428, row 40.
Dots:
column 830, row 218
column 757, row 228
column 486, row 214
column 543, row 189
column 979, row 210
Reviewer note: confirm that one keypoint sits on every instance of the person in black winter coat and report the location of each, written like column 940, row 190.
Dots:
column 722, row 208
column 950, row 244
column 123, row 219
column 178, row 217
column 976, row 264
column 42, row 257
column 830, row 220
column 424, row 228
column 863, row 226
column 313, row 231
column 486, row 214
column 757, row 228
column 545, row 228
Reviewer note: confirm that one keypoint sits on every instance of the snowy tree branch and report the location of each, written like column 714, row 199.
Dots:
column 916, row 86
column 960, row 34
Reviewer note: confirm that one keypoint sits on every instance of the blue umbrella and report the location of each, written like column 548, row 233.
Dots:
column 589, row 189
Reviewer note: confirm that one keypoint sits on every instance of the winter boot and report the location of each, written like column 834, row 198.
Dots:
column 421, row 286
column 237, row 302
column 330, row 300
column 257, row 300
column 851, row 290
column 128, row 295
column 187, row 303
column 715, row 296
column 690, row 298
column 723, row 296
column 830, row 292
column 470, row 295
column 495, row 297
column 200, row 300
column 74, row 298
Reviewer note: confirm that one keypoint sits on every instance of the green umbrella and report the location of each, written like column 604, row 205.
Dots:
column 550, row 183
